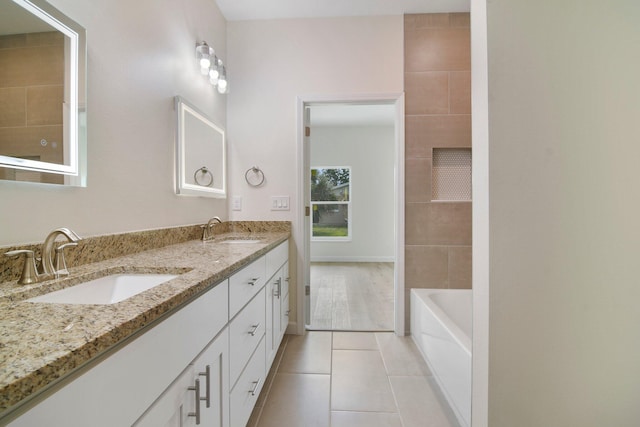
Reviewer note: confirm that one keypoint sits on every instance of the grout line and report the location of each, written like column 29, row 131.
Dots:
column 331, row 380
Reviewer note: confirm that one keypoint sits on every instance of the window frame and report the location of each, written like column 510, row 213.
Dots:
column 348, row 203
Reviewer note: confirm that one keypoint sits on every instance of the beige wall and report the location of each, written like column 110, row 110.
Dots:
column 31, row 98
column 564, row 132
column 274, row 62
column 140, row 55
column 437, row 83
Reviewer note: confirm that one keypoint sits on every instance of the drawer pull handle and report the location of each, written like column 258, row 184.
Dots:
column 207, row 375
column 286, row 313
column 252, row 392
column 276, row 290
column 253, row 281
column 197, row 412
column 254, row 329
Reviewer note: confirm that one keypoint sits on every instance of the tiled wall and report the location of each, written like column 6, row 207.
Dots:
column 438, row 114
column 31, row 98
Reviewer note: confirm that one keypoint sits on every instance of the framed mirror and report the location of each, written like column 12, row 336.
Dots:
column 42, row 94
column 201, row 153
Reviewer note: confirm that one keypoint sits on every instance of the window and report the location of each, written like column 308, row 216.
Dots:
column 331, row 203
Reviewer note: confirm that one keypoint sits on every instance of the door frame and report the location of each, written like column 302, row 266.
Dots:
column 303, row 237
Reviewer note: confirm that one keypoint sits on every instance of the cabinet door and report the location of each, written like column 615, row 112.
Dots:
column 284, row 303
column 173, row 406
column 179, row 406
column 212, row 368
column 274, row 289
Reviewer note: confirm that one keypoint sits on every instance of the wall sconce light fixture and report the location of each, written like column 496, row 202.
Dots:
column 211, row 65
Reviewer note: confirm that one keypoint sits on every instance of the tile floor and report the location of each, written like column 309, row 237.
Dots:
column 352, row 296
column 350, row 379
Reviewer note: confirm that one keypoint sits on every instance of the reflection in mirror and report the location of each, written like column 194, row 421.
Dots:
column 42, row 94
column 200, row 153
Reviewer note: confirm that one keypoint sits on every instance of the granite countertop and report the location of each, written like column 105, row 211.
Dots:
column 41, row 343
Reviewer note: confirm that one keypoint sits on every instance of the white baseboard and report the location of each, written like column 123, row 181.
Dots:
column 333, row 258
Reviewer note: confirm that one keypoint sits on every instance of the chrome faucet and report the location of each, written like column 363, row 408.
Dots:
column 46, row 263
column 46, row 270
column 207, row 229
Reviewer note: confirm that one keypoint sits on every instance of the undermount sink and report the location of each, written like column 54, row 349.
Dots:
column 232, row 241
column 105, row 290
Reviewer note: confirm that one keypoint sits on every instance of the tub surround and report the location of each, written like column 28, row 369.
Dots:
column 438, row 115
column 42, row 343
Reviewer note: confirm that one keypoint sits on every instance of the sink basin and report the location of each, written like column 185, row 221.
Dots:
column 105, row 290
column 233, row 241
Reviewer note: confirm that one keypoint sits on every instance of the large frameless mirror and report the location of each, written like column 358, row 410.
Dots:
column 42, row 94
column 200, row 153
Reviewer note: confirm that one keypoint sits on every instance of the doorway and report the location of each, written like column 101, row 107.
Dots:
column 352, row 267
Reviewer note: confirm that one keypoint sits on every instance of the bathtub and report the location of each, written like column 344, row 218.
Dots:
column 441, row 328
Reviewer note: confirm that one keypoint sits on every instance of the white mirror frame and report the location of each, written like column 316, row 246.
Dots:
column 219, row 189
column 75, row 166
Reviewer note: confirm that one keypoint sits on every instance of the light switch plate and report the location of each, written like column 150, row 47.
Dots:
column 279, row 203
column 236, row 203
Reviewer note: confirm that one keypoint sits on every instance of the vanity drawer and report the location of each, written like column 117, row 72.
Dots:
column 276, row 257
column 246, row 330
column 244, row 284
column 245, row 393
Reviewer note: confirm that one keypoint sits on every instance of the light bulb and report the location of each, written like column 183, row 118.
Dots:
column 214, row 73
column 222, row 89
column 205, row 62
column 222, row 84
column 204, row 52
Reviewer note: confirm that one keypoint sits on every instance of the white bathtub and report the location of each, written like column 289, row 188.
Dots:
column 441, row 328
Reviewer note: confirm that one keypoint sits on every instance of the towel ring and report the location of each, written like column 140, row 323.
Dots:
column 257, row 179
column 204, row 171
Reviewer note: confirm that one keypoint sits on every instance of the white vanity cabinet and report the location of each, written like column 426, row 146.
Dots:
column 116, row 391
column 203, row 365
column 199, row 396
column 277, row 303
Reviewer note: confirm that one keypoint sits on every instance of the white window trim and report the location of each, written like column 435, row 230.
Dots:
column 331, row 239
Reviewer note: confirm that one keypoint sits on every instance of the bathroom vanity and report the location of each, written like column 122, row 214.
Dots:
column 194, row 350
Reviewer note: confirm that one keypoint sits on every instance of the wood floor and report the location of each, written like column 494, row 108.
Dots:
column 352, row 296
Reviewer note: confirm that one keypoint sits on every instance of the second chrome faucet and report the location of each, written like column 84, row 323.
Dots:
column 207, row 229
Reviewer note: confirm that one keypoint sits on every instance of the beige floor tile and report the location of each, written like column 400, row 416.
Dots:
column 401, row 356
column 364, row 419
column 272, row 372
column 354, row 341
column 309, row 353
column 366, row 393
column 420, row 403
column 297, row 400
column 352, row 296
column 357, row 362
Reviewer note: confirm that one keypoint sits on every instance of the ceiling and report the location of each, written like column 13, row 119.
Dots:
column 242, row 10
